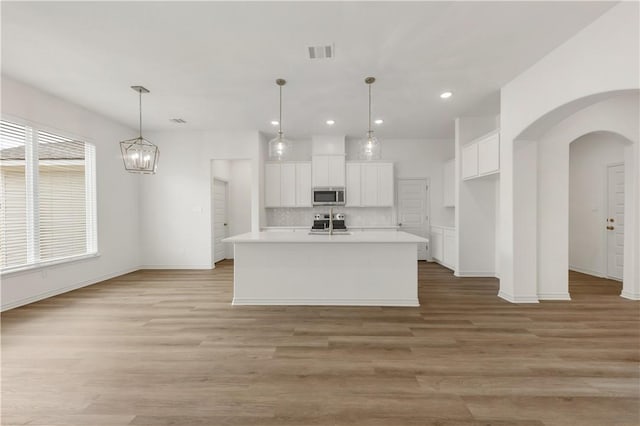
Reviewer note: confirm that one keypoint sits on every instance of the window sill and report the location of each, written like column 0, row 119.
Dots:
column 18, row 270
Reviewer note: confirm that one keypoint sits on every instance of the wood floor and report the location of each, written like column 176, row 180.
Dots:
column 167, row 348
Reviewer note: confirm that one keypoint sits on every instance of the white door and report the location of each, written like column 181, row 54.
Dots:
column 219, row 219
column 615, row 221
column 413, row 210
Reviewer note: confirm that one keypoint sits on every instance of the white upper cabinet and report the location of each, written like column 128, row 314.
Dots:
column 370, row 185
column 470, row 161
column 287, row 184
column 272, row 185
column 353, row 185
column 489, row 154
column 328, row 171
column 303, row 184
column 482, row 156
column 448, row 184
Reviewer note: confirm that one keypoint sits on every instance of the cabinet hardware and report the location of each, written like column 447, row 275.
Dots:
column 610, row 228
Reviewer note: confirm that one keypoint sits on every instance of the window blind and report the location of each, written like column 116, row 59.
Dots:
column 13, row 195
column 48, row 197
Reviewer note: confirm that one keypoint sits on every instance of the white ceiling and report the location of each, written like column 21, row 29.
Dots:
column 214, row 64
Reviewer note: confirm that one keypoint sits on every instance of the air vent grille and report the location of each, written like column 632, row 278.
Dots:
column 321, row 52
column 177, row 120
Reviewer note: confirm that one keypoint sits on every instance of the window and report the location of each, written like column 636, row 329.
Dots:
column 47, row 197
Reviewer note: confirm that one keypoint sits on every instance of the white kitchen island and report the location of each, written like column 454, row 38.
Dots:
column 295, row 268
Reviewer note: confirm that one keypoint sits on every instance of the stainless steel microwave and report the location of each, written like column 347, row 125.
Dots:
column 328, row 197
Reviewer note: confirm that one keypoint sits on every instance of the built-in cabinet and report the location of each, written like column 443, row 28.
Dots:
column 369, row 184
column 481, row 157
column 443, row 246
column 448, row 184
column 287, row 184
column 328, row 171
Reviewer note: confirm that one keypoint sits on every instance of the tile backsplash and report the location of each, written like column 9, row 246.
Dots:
column 355, row 216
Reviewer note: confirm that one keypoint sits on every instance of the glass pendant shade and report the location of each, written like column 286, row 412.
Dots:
column 140, row 155
column 279, row 147
column 369, row 148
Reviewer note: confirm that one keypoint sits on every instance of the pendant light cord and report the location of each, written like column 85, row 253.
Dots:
column 280, row 119
column 140, row 105
column 369, row 108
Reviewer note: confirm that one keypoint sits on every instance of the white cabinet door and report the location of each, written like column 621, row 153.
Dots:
column 272, row 185
column 436, row 244
column 369, row 185
column 489, row 154
column 320, row 170
column 288, row 185
column 448, row 184
column 470, row 161
column 303, row 184
column 385, row 185
column 336, row 172
column 450, row 251
column 353, row 187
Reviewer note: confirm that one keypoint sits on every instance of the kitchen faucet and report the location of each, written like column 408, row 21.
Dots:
column 331, row 221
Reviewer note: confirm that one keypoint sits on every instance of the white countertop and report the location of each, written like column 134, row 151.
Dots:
column 304, row 237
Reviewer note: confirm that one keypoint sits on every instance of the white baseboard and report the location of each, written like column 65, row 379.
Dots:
column 587, row 271
column 176, row 267
column 51, row 293
column 446, row 265
column 629, row 295
column 327, row 302
column 554, row 296
column 476, row 274
column 518, row 299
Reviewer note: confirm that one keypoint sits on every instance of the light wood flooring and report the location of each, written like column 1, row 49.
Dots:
column 167, row 348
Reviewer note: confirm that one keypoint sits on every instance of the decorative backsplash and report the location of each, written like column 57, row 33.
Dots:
column 369, row 216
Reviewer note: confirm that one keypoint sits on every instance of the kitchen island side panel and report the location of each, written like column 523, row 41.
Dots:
column 366, row 274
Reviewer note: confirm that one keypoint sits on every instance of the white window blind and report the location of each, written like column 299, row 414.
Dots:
column 48, row 211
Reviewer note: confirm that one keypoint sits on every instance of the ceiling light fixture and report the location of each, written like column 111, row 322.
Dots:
column 275, row 123
column 140, row 155
column 369, row 148
column 331, row 122
column 379, row 121
column 446, row 95
column 279, row 147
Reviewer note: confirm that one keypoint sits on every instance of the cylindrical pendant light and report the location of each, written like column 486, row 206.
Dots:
column 369, row 147
column 279, row 147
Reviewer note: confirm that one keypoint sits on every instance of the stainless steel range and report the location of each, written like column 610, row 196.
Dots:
column 325, row 223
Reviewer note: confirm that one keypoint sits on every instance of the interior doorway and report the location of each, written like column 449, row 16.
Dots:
column 220, row 225
column 615, row 221
column 413, row 209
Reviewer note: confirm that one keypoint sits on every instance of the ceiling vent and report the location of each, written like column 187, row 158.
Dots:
column 177, row 120
column 321, row 52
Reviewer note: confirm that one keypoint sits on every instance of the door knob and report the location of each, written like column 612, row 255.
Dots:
column 399, row 224
column 610, row 228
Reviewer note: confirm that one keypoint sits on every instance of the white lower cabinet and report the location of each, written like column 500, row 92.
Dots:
column 443, row 246
column 369, row 184
column 287, row 184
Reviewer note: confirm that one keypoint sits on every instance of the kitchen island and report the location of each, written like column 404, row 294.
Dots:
column 296, row 268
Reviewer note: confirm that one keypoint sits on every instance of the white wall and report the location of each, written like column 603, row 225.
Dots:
column 589, row 157
column 239, row 202
column 601, row 58
column 418, row 158
column 176, row 203
column 117, row 196
column 477, row 203
column 551, row 230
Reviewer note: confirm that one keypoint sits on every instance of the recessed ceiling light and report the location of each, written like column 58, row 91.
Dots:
column 331, row 122
column 379, row 121
column 274, row 123
column 446, row 95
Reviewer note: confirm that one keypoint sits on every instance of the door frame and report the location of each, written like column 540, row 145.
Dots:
column 605, row 215
column 213, row 215
column 427, row 182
